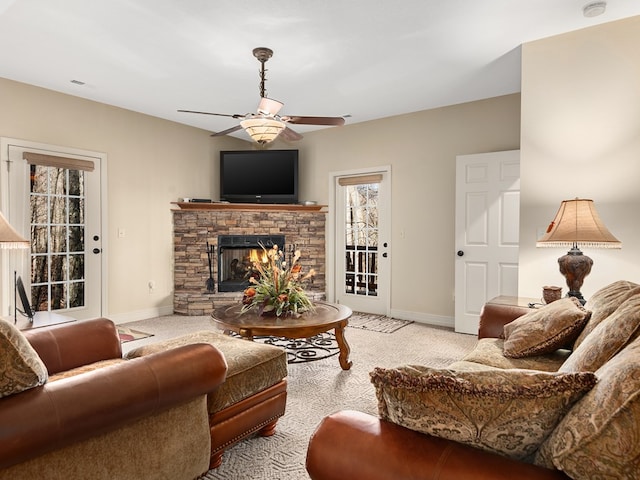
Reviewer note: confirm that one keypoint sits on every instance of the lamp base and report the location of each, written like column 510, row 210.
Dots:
column 575, row 266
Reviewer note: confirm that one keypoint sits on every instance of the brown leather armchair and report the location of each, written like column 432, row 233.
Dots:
column 92, row 392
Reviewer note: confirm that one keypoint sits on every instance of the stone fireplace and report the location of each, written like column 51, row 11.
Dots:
column 230, row 230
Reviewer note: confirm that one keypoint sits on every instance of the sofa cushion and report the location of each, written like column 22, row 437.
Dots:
column 489, row 351
column 252, row 366
column 608, row 338
column 604, row 302
column 509, row 412
column 546, row 329
column 22, row 368
column 601, row 432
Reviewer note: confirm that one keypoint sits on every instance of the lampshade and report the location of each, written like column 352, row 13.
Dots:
column 263, row 130
column 9, row 238
column 577, row 223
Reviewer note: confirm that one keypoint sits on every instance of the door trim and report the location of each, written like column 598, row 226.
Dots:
column 331, row 248
column 6, row 276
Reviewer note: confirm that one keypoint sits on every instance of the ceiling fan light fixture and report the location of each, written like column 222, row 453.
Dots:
column 263, row 130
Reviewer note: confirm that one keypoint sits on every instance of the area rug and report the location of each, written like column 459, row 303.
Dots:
column 376, row 323
column 128, row 334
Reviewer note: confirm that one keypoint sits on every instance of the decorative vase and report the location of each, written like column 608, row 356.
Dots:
column 551, row 294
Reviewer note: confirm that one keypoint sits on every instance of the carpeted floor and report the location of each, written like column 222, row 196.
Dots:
column 316, row 389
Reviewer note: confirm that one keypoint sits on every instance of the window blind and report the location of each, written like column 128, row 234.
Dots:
column 360, row 179
column 59, row 162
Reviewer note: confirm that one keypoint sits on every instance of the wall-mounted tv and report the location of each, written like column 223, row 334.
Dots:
column 259, row 176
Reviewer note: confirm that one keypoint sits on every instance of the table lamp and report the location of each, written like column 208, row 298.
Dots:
column 577, row 223
column 10, row 239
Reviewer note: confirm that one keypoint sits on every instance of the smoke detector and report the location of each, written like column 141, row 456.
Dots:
column 593, row 9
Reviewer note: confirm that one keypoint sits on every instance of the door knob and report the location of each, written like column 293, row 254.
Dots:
column 460, row 253
column 96, row 250
column 384, row 254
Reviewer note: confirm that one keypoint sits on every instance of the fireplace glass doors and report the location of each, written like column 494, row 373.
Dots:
column 236, row 254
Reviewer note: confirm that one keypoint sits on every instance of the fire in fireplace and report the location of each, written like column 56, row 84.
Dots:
column 236, row 254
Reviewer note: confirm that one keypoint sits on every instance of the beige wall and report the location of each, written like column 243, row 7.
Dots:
column 421, row 149
column 581, row 138
column 151, row 162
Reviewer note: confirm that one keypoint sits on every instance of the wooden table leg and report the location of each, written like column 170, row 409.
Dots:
column 345, row 363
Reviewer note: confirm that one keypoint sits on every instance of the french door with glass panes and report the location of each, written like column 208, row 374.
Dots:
column 362, row 241
column 56, row 196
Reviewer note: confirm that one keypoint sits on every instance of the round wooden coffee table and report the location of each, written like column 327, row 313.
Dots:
column 326, row 316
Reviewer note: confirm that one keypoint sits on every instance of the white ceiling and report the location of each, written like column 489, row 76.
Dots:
column 366, row 58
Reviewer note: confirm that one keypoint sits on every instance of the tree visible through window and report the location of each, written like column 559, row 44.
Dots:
column 361, row 242
column 57, row 201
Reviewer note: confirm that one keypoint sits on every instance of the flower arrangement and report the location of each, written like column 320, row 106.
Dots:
column 277, row 288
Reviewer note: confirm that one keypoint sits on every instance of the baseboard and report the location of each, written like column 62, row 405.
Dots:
column 141, row 314
column 426, row 318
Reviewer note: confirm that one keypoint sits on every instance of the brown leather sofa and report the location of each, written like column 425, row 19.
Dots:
column 358, row 446
column 100, row 416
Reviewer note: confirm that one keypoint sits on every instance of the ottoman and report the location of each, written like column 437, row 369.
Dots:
column 253, row 396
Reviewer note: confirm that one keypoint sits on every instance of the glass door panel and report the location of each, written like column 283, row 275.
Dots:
column 361, row 239
column 57, row 205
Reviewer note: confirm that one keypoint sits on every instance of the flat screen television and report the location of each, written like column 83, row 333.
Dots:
column 259, row 176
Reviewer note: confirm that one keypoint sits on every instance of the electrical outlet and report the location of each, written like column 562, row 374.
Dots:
column 152, row 287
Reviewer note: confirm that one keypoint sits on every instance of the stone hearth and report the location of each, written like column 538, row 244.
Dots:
column 195, row 225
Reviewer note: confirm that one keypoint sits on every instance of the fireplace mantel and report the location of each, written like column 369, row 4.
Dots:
column 273, row 207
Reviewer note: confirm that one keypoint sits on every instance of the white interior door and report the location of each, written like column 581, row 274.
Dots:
column 361, row 240
column 58, row 207
column 487, row 232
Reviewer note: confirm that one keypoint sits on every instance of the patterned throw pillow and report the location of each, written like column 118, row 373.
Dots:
column 509, row 412
column 546, row 329
column 21, row 367
column 598, row 438
column 608, row 338
column 604, row 302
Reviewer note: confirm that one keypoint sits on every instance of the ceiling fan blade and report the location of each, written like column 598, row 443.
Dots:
column 290, row 135
column 234, row 115
column 300, row 120
column 269, row 106
column 227, row 131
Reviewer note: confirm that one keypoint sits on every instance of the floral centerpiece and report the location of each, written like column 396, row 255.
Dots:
column 277, row 288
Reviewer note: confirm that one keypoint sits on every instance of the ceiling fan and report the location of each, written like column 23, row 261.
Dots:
column 266, row 124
